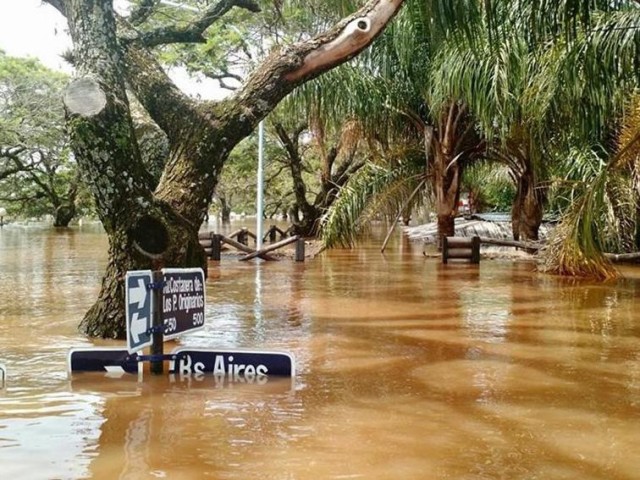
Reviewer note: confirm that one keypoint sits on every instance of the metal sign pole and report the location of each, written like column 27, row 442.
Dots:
column 260, row 193
column 157, row 326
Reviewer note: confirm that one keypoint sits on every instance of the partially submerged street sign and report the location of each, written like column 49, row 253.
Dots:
column 234, row 365
column 111, row 361
column 183, row 300
column 161, row 305
column 139, row 309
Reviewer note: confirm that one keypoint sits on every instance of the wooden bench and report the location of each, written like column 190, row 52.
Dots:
column 461, row 248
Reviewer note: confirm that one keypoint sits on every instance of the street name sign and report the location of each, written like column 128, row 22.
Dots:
column 112, row 361
column 139, row 309
column 183, row 301
column 234, row 365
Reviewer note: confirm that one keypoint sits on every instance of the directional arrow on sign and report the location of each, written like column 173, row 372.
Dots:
column 114, row 371
column 138, row 326
column 139, row 309
column 138, row 294
column 112, row 361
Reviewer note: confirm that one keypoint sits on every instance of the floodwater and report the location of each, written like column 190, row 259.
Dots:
column 406, row 369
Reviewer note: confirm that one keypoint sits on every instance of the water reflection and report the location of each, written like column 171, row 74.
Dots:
column 406, row 369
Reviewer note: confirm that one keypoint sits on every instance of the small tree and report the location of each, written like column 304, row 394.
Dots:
column 38, row 175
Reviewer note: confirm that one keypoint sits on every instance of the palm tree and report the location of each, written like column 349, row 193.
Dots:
column 600, row 66
column 389, row 93
column 510, row 72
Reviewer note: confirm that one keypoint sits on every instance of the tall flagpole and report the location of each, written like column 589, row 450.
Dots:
column 260, row 187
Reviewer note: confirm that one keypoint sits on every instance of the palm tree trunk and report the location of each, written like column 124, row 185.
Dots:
column 527, row 210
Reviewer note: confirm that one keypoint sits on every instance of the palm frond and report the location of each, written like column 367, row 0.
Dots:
column 600, row 218
column 373, row 191
column 575, row 246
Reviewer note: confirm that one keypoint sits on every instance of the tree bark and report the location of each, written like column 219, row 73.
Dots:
column 310, row 214
column 225, row 210
column 152, row 226
column 448, row 182
column 453, row 134
column 64, row 214
column 527, row 210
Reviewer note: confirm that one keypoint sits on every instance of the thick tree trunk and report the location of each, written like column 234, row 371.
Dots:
column 306, row 227
column 452, row 146
column 447, row 189
column 154, row 242
column 225, row 210
column 64, row 214
column 152, row 228
column 527, row 210
column 446, row 227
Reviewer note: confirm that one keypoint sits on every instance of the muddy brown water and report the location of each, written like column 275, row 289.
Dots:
column 406, row 369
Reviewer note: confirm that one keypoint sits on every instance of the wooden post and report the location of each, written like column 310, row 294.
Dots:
column 242, row 236
column 475, row 249
column 300, row 250
column 445, row 250
column 216, row 247
column 272, row 233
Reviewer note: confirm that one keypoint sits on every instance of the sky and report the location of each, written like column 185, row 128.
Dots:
column 31, row 28
column 28, row 28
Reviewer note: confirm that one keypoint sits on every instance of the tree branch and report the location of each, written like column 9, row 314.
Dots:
column 155, row 90
column 292, row 65
column 193, row 33
column 13, row 154
column 58, row 5
column 221, row 77
column 140, row 14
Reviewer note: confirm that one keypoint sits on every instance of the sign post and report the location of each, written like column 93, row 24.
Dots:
column 157, row 340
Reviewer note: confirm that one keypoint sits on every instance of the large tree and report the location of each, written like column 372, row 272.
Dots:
column 152, row 227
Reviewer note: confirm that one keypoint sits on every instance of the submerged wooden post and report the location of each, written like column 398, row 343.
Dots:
column 445, row 250
column 216, row 247
column 272, row 233
column 299, row 250
column 242, row 236
column 475, row 249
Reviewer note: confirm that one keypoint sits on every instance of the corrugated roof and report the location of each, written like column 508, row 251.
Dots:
column 470, row 227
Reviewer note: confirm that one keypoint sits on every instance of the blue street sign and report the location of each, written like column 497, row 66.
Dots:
column 234, row 365
column 139, row 309
column 183, row 300
column 112, row 361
